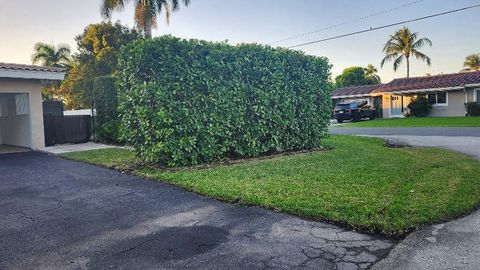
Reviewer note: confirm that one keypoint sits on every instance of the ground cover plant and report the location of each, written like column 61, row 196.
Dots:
column 186, row 102
column 418, row 122
column 359, row 183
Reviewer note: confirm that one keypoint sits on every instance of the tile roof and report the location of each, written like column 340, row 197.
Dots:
column 355, row 90
column 431, row 82
column 20, row 67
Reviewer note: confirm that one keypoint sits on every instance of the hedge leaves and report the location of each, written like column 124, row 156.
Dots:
column 185, row 102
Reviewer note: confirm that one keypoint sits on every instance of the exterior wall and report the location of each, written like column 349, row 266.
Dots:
column 33, row 88
column 386, row 105
column 472, row 94
column 455, row 105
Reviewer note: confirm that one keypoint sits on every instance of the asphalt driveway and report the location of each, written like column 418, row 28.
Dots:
column 60, row 214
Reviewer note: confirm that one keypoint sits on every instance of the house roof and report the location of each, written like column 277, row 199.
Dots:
column 455, row 80
column 9, row 70
column 363, row 90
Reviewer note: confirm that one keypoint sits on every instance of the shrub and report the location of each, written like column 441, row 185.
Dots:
column 473, row 108
column 105, row 104
column 186, row 102
column 420, row 107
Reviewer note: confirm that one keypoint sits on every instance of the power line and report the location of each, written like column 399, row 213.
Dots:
column 384, row 26
column 348, row 22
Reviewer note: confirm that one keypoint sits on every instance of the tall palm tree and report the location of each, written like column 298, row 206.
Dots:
column 472, row 62
column 371, row 73
column 146, row 11
column 49, row 55
column 402, row 45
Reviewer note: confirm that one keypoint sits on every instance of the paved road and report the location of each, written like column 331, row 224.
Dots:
column 449, row 246
column 466, row 145
column 435, row 131
column 60, row 214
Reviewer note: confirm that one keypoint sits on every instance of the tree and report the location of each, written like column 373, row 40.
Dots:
column 146, row 11
column 98, row 47
column 472, row 62
column 371, row 73
column 355, row 76
column 402, row 45
column 49, row 55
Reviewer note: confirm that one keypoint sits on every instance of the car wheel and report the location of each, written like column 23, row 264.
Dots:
column 372, row 116
column 339, row 121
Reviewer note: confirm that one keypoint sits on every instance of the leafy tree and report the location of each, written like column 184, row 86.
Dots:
column 98, row 47
column 49, row 55
column 355, row 76
column 146, row 11
column 402, row 45
column 472, row 62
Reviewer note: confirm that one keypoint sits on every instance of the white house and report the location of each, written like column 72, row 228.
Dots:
column 448, row 94
column 21, row 113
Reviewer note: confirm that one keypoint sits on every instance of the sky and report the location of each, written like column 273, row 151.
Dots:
column 454, row 36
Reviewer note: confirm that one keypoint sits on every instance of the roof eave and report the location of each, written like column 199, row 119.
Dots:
column 350, row 96
column 30, row 74
column 425, row 90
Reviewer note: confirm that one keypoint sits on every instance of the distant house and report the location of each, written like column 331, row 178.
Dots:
column 447, row 93
column 21, row 112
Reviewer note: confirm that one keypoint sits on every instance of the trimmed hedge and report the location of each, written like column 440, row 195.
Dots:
column 473, row 108
column 420, row 107
column 105, row 104
column 185, row 102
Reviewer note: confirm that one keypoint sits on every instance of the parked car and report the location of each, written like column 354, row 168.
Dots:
column 353, row 111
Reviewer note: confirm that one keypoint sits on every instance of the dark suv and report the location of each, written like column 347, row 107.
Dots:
column 353, row 111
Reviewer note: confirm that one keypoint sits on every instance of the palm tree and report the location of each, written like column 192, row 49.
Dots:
column 472, row 62
column 371, row 73
column 402, row 45
column 146, row 11
column 49, row 55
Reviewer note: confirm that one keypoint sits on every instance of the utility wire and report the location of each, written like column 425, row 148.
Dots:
column 348, row 22
column 384, row 26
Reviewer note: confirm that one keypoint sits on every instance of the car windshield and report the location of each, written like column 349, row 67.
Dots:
column 342, row 106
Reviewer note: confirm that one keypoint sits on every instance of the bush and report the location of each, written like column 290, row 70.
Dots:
column 186, row 102
column 473, row 108
column 105, row 104
column 420, row 107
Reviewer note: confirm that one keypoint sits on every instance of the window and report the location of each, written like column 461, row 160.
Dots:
column 478, row 96
column 440, row 98
column 21, row 104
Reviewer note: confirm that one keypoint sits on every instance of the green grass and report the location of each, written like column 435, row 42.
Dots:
column 419, row 122
column 114, row 158
column 360, row 183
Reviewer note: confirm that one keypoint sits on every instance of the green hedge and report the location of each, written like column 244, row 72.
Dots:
column 185, row 102
column 105, row 103
column 473, row 108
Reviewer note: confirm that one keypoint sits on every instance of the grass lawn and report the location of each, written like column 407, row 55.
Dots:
column 360, row 183
column 419, row 122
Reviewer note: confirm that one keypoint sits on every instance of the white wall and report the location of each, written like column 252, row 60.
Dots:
column 35, row 133
column 456, row 105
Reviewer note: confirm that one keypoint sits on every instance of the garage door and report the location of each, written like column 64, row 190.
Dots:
column 15, row 126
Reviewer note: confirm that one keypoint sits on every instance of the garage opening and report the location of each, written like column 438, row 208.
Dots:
column 15, row 122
